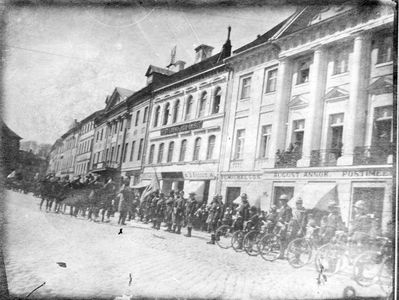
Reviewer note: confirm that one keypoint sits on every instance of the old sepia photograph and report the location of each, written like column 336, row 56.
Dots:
column 198, row 150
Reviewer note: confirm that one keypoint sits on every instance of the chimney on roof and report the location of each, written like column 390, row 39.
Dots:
column 202, row 52
column 179, row 65
column 226, row 51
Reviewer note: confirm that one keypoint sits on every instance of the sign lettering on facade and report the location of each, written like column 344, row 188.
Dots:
column 199, row 175
column 183, row 127
column 321, row 174
column 242, row 177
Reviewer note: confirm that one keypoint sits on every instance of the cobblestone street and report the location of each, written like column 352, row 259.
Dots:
column 162, row 264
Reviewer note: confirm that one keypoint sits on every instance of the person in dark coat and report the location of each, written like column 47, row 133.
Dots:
column 178, row 213
column 284, row 215
column 190, row 209
column 170, row 202
column 160, row 211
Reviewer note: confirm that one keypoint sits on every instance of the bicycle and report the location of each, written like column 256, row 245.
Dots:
column 224, row 236
column 375, row 266
column 252, row 238
column 270, row 246
column 301, row 250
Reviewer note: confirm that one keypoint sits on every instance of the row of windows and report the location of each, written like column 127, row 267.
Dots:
column 183, row 150
column 84, row 146
column 382, row 133
column 189, row 108
column 121, row 152
column 87, row 127
column 341, row 65
column 129, row 123
column 82, row 168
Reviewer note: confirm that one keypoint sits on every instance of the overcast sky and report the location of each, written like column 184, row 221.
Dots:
column 61, row 63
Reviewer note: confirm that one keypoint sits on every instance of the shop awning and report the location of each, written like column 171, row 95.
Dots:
column 316, row 195
column 141, row 184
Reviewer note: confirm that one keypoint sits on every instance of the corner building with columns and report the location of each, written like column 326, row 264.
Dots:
column 311, row 112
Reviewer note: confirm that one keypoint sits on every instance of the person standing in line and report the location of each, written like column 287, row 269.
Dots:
column 160, row 211
column 190, row 209
column 284, row 215
column 169, row 211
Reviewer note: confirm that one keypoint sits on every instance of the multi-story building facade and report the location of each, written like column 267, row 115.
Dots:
column 67, row 151
column 85, row 144
column 304, row 110
column 110, row 134
column 312, row 111
column 184, row 135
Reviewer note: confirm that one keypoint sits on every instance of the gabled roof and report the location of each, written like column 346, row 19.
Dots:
column 118, row 94
column 262, row 38
column 124, row 92
column 8, row 132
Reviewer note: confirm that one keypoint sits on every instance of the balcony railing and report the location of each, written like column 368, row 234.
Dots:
column 325, row 157
column 105, row 165
column 372, row 155
column 287, row 159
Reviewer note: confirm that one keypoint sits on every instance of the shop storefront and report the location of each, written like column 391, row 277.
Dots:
column 344, row 186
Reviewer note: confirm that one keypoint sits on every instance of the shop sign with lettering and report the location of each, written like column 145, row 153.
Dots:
column 199, row 175
column 324, row 174
column 241, row 177
column 183, row 127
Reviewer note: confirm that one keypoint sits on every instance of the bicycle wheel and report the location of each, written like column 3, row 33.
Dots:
column 366, row 268
column 385, row 277
column 223, row 236
column 236, row 240
column 250, row 242
column 329, row 258
column 299, row 252
column 270, row 247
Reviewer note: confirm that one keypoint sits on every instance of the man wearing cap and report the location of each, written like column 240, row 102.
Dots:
column 284, row 215
column 333, row 223
column 169, row 211
column 190, row 209
column 215, row 212
column 298, row 221
column 160, row 211
column 361, row 225
column 178, row 213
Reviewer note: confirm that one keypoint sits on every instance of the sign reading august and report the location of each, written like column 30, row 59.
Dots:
column 183, row 127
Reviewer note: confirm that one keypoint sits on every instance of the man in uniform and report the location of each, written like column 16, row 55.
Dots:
column 215, row 212
column 169, row 211
column 160, row 211
column 190, row 209
column 333, row 223
column 284, row 215
column 297, row 225
column 154, row 217
column 362, row 223
column 178, row 212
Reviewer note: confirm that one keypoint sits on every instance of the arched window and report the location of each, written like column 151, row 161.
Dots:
column 202, row 105
column 183, row 147
column 156, row 115
column 197, row 146
column 151, row 156
column 176, row 111
column 170, row 151
column 160, row 153
column 166, row 114
column 189, row 107
column 216, row 100
column 211, row 147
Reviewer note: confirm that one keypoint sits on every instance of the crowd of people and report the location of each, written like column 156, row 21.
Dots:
column 99, row 200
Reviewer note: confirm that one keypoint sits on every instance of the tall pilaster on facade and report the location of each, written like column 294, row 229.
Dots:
column 355, row 115
column 314, row 118
column 280, row 113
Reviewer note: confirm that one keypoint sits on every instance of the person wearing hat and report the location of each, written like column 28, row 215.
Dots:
column 169, row 210
column 160, row 211
column 178, row 213
column 361, row 225
column 298, row 221
column 190, row 209
column 284, row 215
column 215, row 212
column 244, row 208
column 332, row 223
